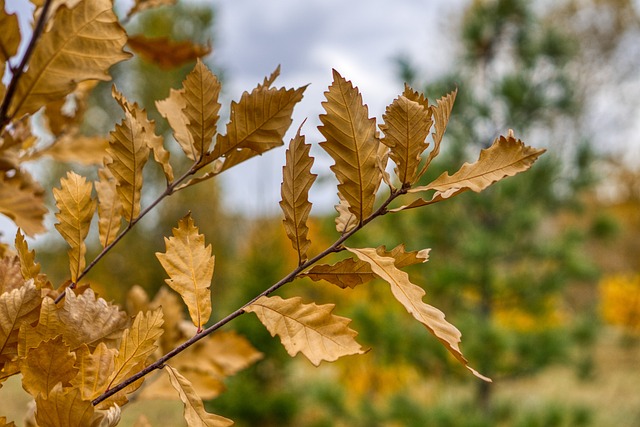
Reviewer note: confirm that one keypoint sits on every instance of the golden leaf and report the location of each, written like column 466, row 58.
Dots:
column 172, row 109
column 48, row 327
column 230, row 351
column 410, row 296
column 3, row 420
column 351, row 141
column 22, row 200
column 155, row 143
column 109, row 207
column 76, row 208
column 29, row 268
column 194, row 412
column 297, row 179
column 137, row 300
column 345, row 221
column 93, row 370
column 73, row 147
column 201, row 90
column 507, row 156
column 441, row 113
column 81, row 45
column 46, row 365
column 128, row 153
column 17, row 307
column 90, row 320
column 307, row 328
column 9, row 36
column 189, row 265
column 141, row 5
column 10, row 274
column 138, row 343
column 350, row 273
column 258, row 122
column 172, row 313
column 406, row 127
column 63, row 408
column 166, row 53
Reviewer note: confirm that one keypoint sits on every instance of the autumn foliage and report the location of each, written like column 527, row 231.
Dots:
column 80, row 356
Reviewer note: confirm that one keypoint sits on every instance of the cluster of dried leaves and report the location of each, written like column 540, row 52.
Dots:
column 81, row 356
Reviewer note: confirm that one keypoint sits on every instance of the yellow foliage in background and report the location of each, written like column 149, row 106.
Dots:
column 620, row 301
column 517, row 318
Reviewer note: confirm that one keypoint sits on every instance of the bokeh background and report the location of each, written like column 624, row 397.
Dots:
column 541, row 272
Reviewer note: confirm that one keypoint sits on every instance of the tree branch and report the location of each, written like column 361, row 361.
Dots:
column 335, row 247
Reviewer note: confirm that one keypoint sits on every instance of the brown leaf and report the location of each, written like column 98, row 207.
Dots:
column 9, row 37
column 17, row 307
column 109, row 207
column 172, row 109
column 49, row 326
column 441, row 113
column 63, row 408
column 129, row 152
column 76, row 148
column 172, row 313
column 229, row 351
column 49, row 363
column 10, row 274
column 307, row 328
column 351, row 141
column 296, row 182
column 141, row 5
column 22, row 200
column 194, row 412
column 81, row 45
column 138, row 343
column 189, row 265
column 507, row 156
column 29, row 268
column 410, row 296
column 166, row 53
column 76, row 208
column 345, row 221
column 258, row 122
column 94, row 370
column 406, row 127
column 3, row 420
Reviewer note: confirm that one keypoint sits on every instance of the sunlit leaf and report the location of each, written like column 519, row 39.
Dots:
column 441, row 113
column 307, row 328
column 406, row 127
column 10, row 274
column 345, row 221
column 194, row 412
column 49, row 326
column 94, row 370
column 351, row 141
column 81, row 45
column 63, row 408
column 76, row 208
column 139, row 341
column 128, row 153
column 410, row 296
column 167, row 53
column 76, row 148
column 109, row 207
column 29, row 268
column 296, row 182
column 189, row 265
column 17, row 307
column 22, row 200
column 46, row 365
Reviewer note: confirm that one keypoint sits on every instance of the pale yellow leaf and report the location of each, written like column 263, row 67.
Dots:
column 227, row 351
column 76, row 208
column 94, row 370
column 441, row 113
column 29, row 268
column 410, row 296
column 46, row 365
column 307, row 328
column 81, row 45
column 90, row 320
column 296, row 182
column 345, row 221
column 76, row 148
column 137, row 300
column 194, row 412
column 17, row 307
column 406, row 127
column 109, row 207
column 507, row 156
column 10, row 274
column 138, row 342
column 155, row 143
column 22, row 200
column 172, row 109
column 258, row 122
column 128, row 152
column 201, row 90
column 63, row 408
column 167, row 53
column 189, row 265
column 351, row 141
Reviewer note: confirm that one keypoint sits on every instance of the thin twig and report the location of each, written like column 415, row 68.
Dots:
column 171, row 188
column 19, row 71
column 335, row 247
